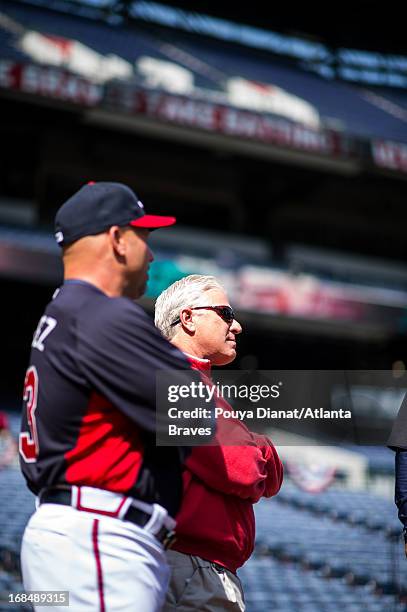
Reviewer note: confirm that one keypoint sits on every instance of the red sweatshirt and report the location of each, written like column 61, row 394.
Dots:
column 221, row 484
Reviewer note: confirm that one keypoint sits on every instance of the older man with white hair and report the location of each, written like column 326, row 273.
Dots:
column 215, row 525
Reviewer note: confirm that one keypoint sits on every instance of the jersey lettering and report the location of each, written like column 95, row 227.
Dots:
column 28, row 441
column 45, row 327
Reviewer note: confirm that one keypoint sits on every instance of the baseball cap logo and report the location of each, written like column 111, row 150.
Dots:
column 140, row 204
column 59, row 237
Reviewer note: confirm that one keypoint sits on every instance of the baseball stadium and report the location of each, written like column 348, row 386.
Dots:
column 277, row 137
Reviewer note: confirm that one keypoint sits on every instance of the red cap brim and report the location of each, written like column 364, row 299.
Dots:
column 153, row 221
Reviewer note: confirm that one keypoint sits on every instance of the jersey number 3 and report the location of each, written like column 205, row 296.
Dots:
column 28, row 441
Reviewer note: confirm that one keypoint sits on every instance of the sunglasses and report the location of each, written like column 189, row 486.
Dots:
column 225, row 312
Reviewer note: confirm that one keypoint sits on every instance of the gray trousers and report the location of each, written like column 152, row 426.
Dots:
column 199, row 585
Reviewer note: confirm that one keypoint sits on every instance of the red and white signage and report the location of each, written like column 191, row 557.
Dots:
column 49, row 82
column 203, row 114
column 391, row 155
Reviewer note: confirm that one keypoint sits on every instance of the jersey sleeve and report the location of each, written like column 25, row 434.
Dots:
column 401, row 485
column 119, row 351
column 274, row 466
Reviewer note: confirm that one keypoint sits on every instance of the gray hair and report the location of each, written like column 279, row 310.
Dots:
column 185, row 292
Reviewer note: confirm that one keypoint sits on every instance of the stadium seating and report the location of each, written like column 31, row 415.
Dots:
column 15, row 509
column 272, row 586
column 353, row 545
column 349, row 506
column 380, row 459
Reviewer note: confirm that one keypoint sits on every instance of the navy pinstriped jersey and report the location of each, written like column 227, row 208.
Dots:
column 89, row 394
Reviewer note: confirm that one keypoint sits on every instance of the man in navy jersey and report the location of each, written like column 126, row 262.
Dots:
column 106, row 494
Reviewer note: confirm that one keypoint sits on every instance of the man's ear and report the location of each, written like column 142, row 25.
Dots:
column 117, row 240
column 187, row 320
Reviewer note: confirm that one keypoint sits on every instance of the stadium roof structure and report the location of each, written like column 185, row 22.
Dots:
column 367, row 24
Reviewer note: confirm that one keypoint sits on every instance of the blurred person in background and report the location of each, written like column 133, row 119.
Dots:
column 215, row 525
column 398, row 443
column 8, row 446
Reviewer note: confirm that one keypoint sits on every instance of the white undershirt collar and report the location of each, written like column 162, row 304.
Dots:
column 197, row 358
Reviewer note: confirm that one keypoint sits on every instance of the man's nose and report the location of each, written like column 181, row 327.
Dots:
column 236, row 328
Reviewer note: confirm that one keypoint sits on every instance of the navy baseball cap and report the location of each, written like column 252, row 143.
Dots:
column 98, row 206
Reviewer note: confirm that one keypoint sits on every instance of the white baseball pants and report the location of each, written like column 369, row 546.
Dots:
column 106, row 564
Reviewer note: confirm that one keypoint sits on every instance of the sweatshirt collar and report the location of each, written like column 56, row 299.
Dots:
column 204, row 365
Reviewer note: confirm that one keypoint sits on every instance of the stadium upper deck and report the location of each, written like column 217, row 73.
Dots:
column 123, row 63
